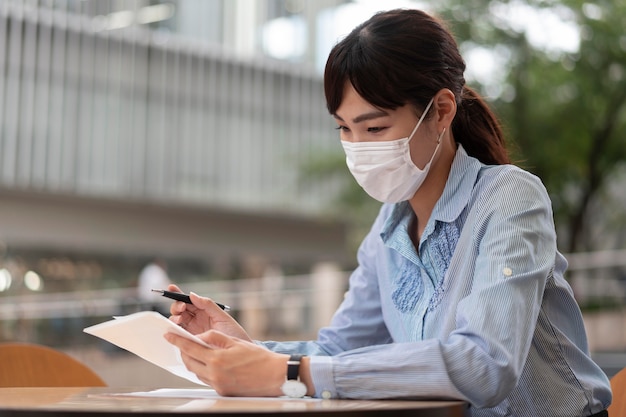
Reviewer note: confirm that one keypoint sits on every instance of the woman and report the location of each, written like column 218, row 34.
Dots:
column 459, row 292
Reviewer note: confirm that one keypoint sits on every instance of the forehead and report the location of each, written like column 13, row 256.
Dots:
column 352, row 104
column 354, row 108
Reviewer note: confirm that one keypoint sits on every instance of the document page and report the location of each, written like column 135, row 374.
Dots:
column 204, row 393
column 142, row 334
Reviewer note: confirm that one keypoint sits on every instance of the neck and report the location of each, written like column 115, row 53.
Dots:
column 424, row 200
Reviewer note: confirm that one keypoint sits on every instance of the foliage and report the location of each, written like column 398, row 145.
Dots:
column 564, row 111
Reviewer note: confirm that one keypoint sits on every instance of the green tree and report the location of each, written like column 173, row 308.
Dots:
column 564, row 112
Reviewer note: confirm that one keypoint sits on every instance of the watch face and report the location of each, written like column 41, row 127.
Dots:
column 294, row 389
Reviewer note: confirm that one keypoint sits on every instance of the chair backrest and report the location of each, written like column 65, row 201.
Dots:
column 618, row 386
column 32, row 365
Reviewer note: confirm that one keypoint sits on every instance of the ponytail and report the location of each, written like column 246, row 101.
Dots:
column 477, row 128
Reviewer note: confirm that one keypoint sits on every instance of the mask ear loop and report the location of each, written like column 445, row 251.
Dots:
column 441, row 135
column 436, row 147
column 421, row 119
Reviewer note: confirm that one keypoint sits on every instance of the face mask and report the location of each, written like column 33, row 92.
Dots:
column 385, row 169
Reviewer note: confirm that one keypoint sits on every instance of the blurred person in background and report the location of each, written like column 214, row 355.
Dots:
column 460, row 290
column 153, row 276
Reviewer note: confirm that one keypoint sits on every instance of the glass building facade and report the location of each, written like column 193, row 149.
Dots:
column 131, row 129
column 179, row 109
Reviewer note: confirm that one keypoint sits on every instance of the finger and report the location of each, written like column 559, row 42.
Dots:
column 217, row 339
column 188, row 347
column 177, row 307
column 180, row 307
column 177, row 319
column 194, row 365
column 205, row 303
column 182, row 317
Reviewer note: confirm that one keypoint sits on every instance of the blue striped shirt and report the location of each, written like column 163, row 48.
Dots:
column 480, row 312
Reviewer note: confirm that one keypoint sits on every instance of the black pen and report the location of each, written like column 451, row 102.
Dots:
column 179, row 296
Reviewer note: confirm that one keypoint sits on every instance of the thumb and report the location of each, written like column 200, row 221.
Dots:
column 204, row 303
column 217, row 339
column 174, row 288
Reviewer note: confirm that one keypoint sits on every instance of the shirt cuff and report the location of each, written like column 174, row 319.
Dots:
column 321, row 369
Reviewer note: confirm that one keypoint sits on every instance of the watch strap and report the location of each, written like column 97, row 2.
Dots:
column 293, row 367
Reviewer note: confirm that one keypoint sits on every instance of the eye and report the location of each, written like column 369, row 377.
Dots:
column 342, row 128
column 375, row 129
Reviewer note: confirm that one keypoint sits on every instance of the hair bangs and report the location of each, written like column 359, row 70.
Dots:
column 355, row 61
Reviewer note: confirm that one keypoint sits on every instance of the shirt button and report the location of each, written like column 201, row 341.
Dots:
column 507, row 272
column 327, row 395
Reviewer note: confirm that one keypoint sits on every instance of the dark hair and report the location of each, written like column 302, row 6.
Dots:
column 403, row 56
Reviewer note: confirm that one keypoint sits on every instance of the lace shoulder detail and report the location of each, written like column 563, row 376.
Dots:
column 442, row 245
column 409, row 288
column 410, row 285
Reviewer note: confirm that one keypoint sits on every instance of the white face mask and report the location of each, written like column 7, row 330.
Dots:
column 385, row 169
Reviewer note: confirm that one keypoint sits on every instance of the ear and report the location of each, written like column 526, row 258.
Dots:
column 445, row 108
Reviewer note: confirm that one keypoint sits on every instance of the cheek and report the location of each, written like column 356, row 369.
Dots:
column 422, row 147
column 418, row 154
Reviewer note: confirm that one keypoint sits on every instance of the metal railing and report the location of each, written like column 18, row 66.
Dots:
column 266, row 306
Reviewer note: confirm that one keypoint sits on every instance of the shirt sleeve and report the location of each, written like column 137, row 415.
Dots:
column 358, row 322
column 516, row 251
column 481, row 360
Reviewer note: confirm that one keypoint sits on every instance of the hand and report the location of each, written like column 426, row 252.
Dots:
column 204, row 315
column 233, row 367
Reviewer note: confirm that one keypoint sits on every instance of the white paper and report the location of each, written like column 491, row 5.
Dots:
column 204, row 394
column 142, row 334
column 195, row 393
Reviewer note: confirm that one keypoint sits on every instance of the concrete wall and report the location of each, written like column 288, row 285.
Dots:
column 113, row 226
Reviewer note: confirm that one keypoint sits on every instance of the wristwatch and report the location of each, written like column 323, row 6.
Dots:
column 293, row 387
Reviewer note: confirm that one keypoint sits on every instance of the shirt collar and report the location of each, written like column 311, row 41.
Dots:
column 459, row 187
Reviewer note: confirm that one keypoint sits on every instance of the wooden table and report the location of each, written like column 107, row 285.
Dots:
column 101, row 402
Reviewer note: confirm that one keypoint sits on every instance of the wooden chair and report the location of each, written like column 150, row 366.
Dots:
column 618, row 386
column 31, row 365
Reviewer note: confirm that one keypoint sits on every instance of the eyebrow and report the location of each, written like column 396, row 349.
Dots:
column 365, row 116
